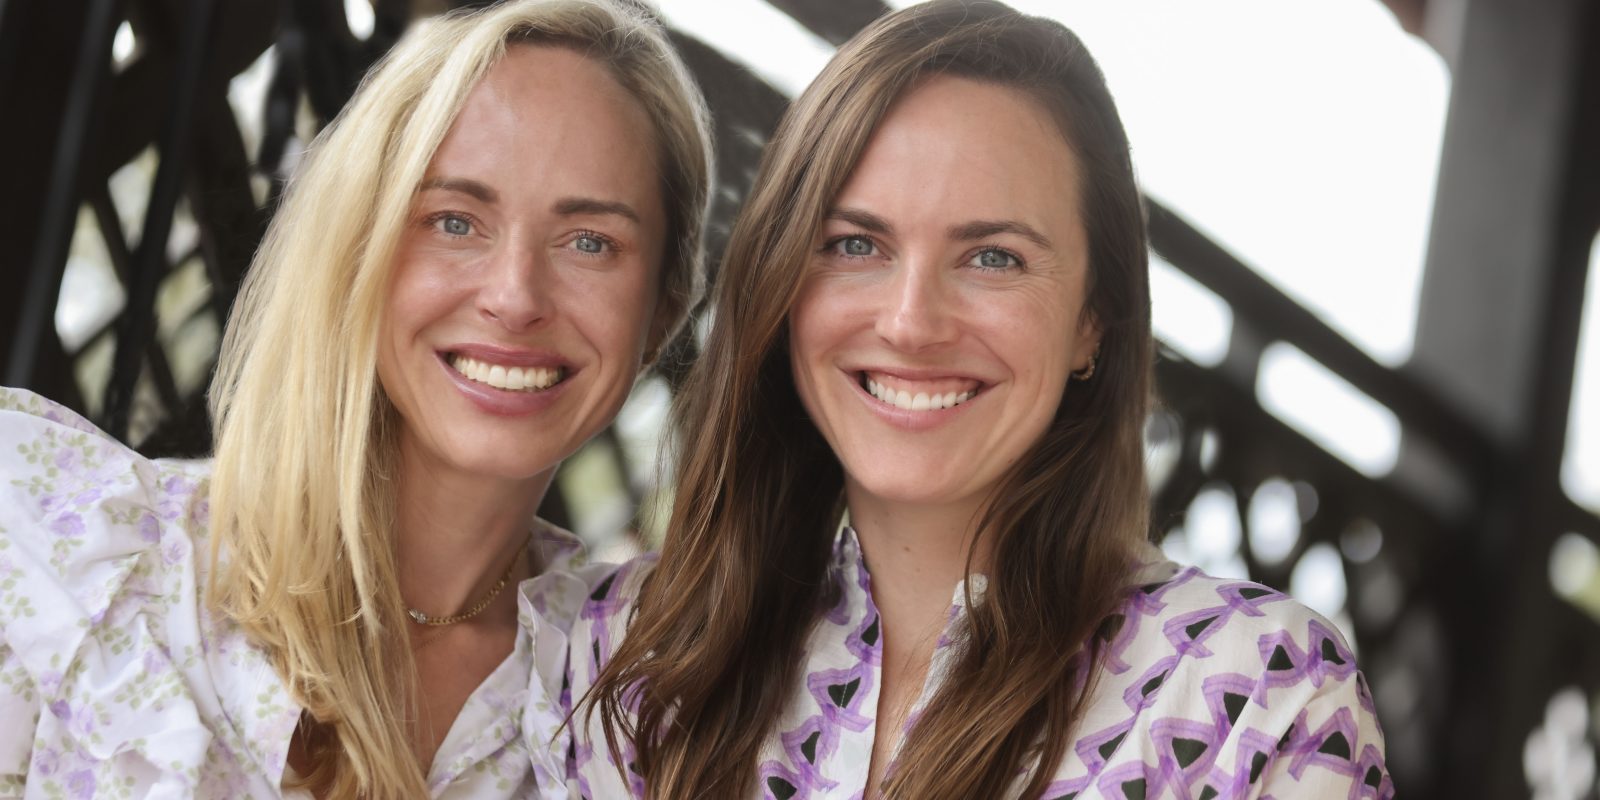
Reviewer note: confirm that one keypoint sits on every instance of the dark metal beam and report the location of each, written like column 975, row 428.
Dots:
column 34, row 333
column 1497, row 331
column 1501, row 175
column 137, row 326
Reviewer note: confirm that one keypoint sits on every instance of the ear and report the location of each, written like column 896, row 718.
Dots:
column 1088, row 345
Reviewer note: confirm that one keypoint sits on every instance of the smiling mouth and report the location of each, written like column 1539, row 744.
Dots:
column 919, row 395
column 510, row 379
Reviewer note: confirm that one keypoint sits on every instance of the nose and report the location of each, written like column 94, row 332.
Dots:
column 915, row 313
column 515, row 292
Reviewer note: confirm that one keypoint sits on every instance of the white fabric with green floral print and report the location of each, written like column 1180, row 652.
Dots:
column 116, row 681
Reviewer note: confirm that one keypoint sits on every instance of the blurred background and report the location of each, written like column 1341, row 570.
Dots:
column 1374, row 227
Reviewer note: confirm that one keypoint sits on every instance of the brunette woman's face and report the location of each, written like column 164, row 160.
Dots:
column 943, row 309
column 526, row 280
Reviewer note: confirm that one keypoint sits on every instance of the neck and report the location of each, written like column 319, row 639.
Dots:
column 917, row 553
column 456, row 532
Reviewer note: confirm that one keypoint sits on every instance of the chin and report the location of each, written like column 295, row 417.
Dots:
column 509, row 467
column 499, row 454
column 912, row 490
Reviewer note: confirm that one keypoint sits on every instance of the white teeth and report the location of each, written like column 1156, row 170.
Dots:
column 515, row 379
column 918, row 402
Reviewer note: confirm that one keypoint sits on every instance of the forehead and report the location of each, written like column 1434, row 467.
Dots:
column 548, row 119
column 957, row 147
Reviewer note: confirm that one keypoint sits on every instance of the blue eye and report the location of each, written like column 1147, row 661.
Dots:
column 995, row 258
column 854, row 246
column 593, row 245
column 454, row 225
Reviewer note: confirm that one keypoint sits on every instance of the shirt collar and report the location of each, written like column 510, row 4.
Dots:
column 1151, row 566
column 848, row 563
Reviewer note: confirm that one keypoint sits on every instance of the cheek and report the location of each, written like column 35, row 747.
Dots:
column 1043, row 326
column 616, row 309
column 810, row 334
column 421, row 291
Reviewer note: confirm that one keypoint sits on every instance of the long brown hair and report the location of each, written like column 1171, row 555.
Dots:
column 718, row 638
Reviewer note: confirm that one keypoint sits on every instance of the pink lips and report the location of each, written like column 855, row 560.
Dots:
column 510, row 357
column 503, row 402
column 908, row 419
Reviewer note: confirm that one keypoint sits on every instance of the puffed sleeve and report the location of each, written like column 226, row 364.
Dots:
column 1334, row 747
column 95, row 555
column 1238, row 692
column 1308, row 728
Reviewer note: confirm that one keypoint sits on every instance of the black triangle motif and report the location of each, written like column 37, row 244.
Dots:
column 843, row 693
column 1336, row 745
column 1280, row 660
column 1330, row 653
column 780, row 788
column 1258, row 763
column 1152, row 684
column 1187, row 750
column 870, row 635
column 1198, row 628
column 1234, row 703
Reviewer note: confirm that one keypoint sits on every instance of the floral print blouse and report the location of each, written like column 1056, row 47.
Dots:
column 116, row 681
column 1210, row 689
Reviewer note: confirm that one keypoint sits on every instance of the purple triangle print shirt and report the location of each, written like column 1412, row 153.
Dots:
column 1209, row 688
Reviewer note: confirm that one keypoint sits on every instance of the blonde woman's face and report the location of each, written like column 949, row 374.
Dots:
column 943, row 309
column 527, row 277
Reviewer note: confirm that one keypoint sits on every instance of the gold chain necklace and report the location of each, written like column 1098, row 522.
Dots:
column 505, row 577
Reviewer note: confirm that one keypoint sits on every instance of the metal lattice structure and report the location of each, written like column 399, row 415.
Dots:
column 1461, row 636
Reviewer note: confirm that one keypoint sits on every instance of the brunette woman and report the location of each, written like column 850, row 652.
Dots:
column 933, row 321
column 350, row 599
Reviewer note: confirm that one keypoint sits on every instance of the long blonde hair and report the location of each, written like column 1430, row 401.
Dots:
column 718, row 638
column 302, row 496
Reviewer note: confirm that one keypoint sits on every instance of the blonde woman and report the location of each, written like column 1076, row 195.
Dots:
column 934, row 312
column 349, row 599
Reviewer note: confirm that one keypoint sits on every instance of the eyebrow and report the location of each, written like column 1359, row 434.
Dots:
column 983, row 229
column 566, row 206
column 964, row 232
column 465, row 186
column 575, row 206
column 862, row 219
